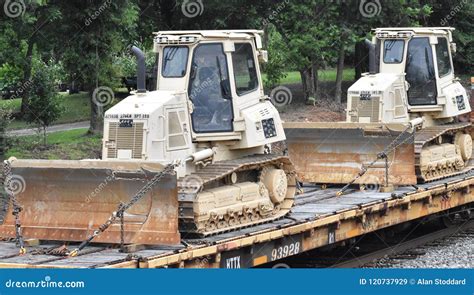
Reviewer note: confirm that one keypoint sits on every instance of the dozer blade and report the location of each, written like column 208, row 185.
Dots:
column 69, row 200
column 335, row 153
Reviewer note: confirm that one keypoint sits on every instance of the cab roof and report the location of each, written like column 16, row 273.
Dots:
column 213, row 33
column 418, row 30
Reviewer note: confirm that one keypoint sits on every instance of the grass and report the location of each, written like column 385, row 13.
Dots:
column 324, row 75
column 76, row 108
column 65, row 145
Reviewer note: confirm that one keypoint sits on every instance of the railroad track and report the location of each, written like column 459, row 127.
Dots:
column 410, row 249
column 379, row 249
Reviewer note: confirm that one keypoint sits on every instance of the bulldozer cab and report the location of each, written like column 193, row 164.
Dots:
column 218, row 70
column 209, row 91
column 424, row 56
column 411, row 75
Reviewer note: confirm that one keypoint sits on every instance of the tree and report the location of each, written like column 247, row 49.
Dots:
column 97, row 32
column 27, row 28
column 307, row 42
column 457, row 14
column 43, row 108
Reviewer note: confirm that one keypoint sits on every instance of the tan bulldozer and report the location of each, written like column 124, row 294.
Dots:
column 189, row 158
column 405, row 119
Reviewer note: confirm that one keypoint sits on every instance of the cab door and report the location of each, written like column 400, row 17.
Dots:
column 209, row 90
column 420, row 72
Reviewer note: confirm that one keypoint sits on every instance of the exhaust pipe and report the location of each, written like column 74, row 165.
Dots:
column 141, row 85
column 372, row 66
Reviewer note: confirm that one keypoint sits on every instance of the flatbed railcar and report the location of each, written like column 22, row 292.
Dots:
column 318, row 219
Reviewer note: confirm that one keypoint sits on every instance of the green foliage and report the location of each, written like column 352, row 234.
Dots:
column 54, row 68
column 90, row 58
column 126, row 63
column 43, row 106
column 10, row 75
column 275, row 68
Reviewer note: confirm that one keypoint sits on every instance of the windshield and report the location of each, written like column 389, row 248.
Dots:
column 209, row 90
column 393, row 51
column 175, row 59
column 420, row 72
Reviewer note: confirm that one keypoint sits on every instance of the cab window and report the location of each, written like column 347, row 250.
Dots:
column 393, row 51
column 175, row 59
column 442, row 55
column 209, row 90
column 420, row 73
column 245, row 72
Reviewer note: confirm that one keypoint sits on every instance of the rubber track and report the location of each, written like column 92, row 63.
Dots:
column 189, row 186
column 428, row 134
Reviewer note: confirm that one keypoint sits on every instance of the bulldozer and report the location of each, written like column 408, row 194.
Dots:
column 189, row 158
column 405, row 118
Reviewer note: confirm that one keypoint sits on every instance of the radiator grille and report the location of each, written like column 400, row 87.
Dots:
column 365, row 108
column 125, row 138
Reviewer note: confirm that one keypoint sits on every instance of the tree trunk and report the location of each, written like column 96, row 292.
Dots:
column 316, row 93
column 26, row 76
column 312, row 84
column 339, row 75
column 97, row 123
column 303, row 82
column 3, row 142
column 44, row 136
column 309, row 80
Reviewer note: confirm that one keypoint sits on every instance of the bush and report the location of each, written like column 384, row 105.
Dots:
column 43, row 104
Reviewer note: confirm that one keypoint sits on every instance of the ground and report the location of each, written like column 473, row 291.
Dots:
column 323, row 110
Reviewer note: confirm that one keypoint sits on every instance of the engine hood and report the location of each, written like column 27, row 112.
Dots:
column 374, row 83
column 137, row 105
